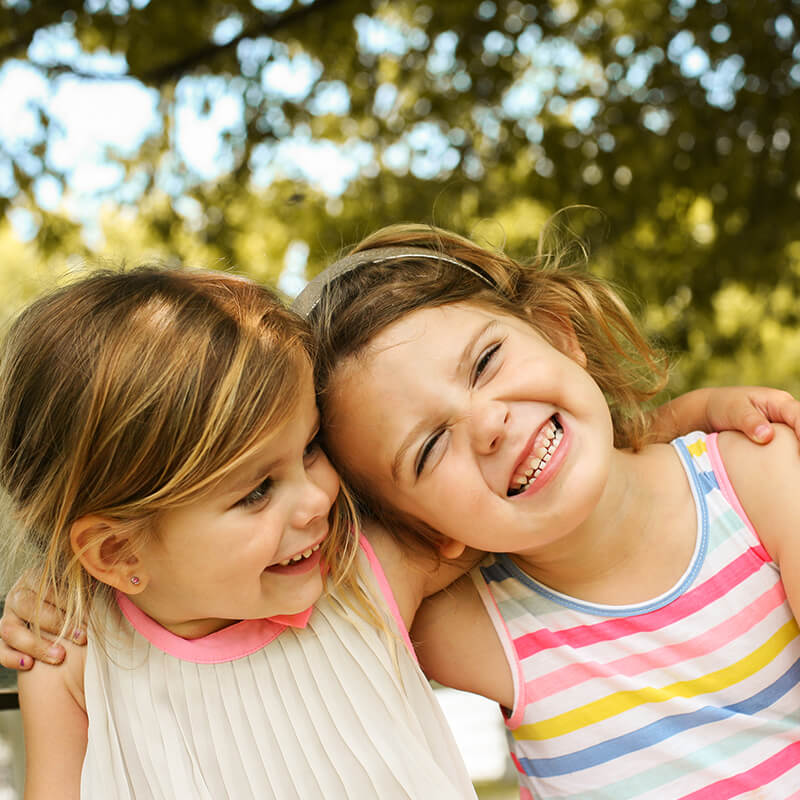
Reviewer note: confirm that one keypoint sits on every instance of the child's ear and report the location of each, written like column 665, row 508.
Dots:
column 103, row 548
column 450, row 548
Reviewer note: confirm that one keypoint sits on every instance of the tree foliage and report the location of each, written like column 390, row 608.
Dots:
column 678, row 121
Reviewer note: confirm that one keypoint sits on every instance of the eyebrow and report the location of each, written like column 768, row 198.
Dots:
column 462, row 366
column 244, row 481
column 254, row 475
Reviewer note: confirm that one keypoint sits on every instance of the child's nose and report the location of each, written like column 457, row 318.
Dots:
column 488, row 425
column 312, row 504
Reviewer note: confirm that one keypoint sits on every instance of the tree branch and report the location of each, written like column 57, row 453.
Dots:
column 168, row 72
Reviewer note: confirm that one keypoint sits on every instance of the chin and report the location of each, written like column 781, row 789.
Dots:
column 309, row 594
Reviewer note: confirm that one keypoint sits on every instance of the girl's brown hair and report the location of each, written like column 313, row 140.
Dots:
column 552, row 292
column 127, row 393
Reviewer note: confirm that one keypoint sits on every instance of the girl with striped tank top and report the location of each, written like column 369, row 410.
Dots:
column 637, row 622
column 158, row 437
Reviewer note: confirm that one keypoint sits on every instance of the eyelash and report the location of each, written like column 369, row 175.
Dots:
column 313, row 446
column 425, row 452
column 483, row 361
column 260, row 493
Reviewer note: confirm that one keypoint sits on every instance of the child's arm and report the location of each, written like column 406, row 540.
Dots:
column 748, row 409
column 55, row 725
column 766, row 480
column 414, row 575
column 457, row 645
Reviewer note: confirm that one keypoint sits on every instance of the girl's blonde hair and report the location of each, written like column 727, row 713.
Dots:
column 127, row 393
column 553, row 292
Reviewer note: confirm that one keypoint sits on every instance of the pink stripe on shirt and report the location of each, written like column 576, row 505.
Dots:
column 584, row 635
column 701, row 645
column 757, row 777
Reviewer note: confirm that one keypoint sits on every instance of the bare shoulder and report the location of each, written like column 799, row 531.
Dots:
column 784, row 445
column 458, row 646
column 405, row 572
column 55, row 722
column 65, row 678
column 765, row 479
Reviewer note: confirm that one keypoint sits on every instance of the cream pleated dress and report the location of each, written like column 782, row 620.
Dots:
column 266, row 709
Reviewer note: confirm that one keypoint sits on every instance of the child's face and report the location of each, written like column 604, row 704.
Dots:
column 452, row 405
column 249, row 547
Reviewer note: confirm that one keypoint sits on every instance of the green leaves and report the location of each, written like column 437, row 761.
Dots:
column 679, row 121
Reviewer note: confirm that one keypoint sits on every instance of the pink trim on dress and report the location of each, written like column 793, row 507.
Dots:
column 228, row 644
column 728, row 492
column 386, row 591
column 245, row 637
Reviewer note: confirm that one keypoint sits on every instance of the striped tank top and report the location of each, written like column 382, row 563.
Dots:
column 693, row 695
column 263, row 710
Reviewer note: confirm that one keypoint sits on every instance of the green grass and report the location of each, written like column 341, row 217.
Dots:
column 497, row 790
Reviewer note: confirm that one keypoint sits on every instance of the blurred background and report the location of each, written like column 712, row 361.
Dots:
column 267, row 135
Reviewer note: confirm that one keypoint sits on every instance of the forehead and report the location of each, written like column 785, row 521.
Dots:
column 436, row 330
column 397, row 380
column 425, row 343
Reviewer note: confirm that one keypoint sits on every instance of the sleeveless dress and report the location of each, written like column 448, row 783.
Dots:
column 266, row 709
column 693, row 694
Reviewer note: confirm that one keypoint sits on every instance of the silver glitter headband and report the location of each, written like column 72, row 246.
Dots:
column 309, row 298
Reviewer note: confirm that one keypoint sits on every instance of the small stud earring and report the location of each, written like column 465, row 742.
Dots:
column 135, row 580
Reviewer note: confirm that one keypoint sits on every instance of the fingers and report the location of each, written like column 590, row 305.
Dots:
column 755, row 425
column 783, row 407
column 771, row 405
column 20, row 646
column 21, row 602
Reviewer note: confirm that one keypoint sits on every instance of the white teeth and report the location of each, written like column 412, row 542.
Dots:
column 552, row 435
column 299, row 556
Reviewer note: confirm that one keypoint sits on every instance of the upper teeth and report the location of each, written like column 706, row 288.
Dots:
column 546, row 443
column 304, row 554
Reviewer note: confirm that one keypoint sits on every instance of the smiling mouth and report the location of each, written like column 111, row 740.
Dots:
column 300, row 556
column 547, row 441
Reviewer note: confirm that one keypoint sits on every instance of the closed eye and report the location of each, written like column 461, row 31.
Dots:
column 425, row 452
column 484, row 360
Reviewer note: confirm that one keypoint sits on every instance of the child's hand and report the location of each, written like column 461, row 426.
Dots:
column 750, row 409
column 20, row 646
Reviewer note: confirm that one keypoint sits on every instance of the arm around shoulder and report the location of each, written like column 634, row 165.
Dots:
column 766, row 479
column 458, row 646
column 55, row 726
column 413, row 574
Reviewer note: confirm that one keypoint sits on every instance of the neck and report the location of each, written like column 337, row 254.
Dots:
column 185, row 628
column 637, row 541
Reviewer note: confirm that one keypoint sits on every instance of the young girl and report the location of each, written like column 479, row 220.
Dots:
column 162, row 424
column 637, row 624
column 158, row 440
